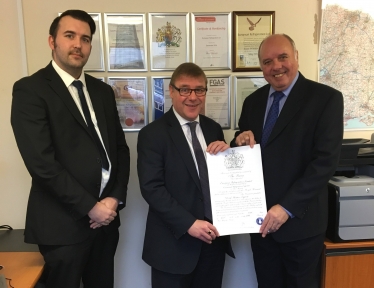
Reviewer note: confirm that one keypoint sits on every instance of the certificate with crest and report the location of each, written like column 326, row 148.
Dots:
column 169, row 40
column 237, row 190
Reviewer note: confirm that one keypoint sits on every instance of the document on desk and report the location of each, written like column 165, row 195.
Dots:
column 237, row 190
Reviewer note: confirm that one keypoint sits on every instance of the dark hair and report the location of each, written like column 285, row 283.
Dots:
column 188, row 69
column 76, row 14
column 285, row 36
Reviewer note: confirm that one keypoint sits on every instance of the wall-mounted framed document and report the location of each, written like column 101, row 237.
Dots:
column 126, row 42
column 96, row 60
column 161, row 101
column 169, row 40
column 131, row 98
column 217, row 102
column 244, row 86
column 249, row 29
column 211, row 40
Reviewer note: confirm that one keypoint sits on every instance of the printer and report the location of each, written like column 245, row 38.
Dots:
column 351, row 193
column 351, row 208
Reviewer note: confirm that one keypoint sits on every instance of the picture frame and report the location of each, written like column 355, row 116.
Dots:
column 131, row 99
column 249, row 29
column 243, row 87
column 211, row 40
column 169, row 40
column 217, row 102
column 126, row 42
column 161, row 101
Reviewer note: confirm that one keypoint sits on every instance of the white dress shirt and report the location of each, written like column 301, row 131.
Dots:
column 187, row 133
column 68, row 80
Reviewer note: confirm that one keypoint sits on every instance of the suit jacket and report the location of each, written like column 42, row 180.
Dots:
column 301, row 154
column 170, row 184
column 62, row 157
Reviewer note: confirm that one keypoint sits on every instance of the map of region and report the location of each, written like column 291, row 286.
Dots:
column 347, row 62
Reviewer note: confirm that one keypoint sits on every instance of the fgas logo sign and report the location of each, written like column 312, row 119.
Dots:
column 217, row 82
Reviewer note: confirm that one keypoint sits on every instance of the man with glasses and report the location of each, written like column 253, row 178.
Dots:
column 181, row 244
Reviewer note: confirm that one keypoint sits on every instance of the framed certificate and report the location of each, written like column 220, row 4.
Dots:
column 96, row 60
column 249, row 29
column 131, row 99
column 126, row 44
column 244, row 86
column 211, row 40
column 169, row 40
column 217, row 102
column 161, row 101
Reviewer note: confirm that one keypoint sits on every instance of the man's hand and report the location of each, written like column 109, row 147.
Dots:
column 245, row 138
column 217, row 146
column 110, row 202
column 204, row 231
column 101, row 215
column 274, row 219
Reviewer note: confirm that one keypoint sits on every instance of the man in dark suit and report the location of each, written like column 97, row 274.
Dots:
column 181, row 244
column 299, row 155
column 67, row 129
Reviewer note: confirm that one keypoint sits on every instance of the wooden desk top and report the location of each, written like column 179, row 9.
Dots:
column 24, row 268
column 348, row 245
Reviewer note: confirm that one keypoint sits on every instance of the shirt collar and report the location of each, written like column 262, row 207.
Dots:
column 288, row 90
column 183, row 121
column 66, row 77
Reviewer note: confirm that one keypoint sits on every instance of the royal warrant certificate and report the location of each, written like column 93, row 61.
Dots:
column 237, row 190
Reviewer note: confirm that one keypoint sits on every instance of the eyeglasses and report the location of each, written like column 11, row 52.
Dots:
column 199, row 92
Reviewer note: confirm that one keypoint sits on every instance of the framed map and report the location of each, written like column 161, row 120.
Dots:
column 346, row 58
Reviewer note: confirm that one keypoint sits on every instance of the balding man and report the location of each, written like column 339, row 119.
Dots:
column 299, row 124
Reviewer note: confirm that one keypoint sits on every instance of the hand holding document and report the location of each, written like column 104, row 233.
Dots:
column 237, row 190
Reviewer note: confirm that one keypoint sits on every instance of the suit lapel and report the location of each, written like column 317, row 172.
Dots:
column 260, row 113
column 97, row 102
column 208, row 133
column 176, row 134
column 294, row 102
column 58, row 86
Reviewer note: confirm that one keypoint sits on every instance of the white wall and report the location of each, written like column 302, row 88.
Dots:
column 294, row 17
column 14, row 178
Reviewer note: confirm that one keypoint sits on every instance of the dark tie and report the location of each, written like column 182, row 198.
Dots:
column 104, row 160
column 272, row 117
column 203, row 170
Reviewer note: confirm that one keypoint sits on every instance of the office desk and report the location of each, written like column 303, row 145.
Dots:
column 24, row 268
column 22, row 262
column 349, row 264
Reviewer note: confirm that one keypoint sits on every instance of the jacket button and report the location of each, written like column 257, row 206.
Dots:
column 98, row 160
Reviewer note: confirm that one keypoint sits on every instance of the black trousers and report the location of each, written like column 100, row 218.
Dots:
column 294, row 264
column 208, row 272
column 91, row 261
